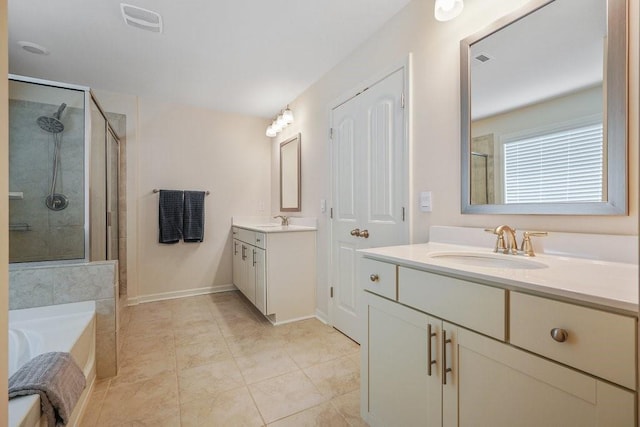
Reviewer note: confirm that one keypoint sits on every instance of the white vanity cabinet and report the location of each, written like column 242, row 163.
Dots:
column 440, row 352
column 276, row 271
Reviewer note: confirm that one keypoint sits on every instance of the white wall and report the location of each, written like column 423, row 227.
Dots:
column 435, row 133
column 4, row 214
column 174, row 146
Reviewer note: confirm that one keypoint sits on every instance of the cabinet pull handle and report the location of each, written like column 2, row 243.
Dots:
column 430, row 336
column 244, row 255
column 374, row 278
column 559, row 334
column 254, row 257
column 235, row 248
column 445, row 370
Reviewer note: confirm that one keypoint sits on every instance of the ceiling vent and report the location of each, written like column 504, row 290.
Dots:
column 141, row 18
column 483, row 57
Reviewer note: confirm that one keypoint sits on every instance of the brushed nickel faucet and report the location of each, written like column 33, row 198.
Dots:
column 285, row 220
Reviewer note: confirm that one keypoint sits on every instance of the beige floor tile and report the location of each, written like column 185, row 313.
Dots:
column 317, row 349
column 285, row 395
column 92, row 411
column 148, row 313
column 144, row 366
column 153, row 398
column 137, row 345
column 348, row 405
column 190, row 356
column 231, row 408
column 323, row 415
column 156, row 328
column 335, row 377
column 184, row 338
column 170, row 421
column 208, row 381
column 256, row 342
column 265, row 364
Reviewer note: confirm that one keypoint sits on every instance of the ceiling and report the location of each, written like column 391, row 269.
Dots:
column 244, row 56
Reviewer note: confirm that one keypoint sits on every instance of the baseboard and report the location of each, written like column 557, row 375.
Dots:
column 284, row 322
column 322, row 316
column 180, row 294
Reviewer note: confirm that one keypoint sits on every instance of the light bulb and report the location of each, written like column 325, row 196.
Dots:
column 277, row 127
column 281, row 121
column 287, row 115
column 271, row 132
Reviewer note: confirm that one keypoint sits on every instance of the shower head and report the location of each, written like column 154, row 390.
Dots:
column 52, row 124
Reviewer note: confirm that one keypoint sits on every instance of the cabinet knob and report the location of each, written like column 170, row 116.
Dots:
column 364, row 233
column 355, row 232
column 374, row 277
column 559, row 334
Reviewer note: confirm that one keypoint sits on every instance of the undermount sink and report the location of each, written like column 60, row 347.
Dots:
column 477, row 259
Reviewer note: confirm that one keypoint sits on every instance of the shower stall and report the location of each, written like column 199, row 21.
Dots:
column 64, row 159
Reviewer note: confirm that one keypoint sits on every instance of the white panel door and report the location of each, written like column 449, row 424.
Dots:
column 368, row 168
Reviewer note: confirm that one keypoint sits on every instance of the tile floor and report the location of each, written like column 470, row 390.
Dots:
column 213, row 360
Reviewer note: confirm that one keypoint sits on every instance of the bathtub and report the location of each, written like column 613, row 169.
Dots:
column 33, row 331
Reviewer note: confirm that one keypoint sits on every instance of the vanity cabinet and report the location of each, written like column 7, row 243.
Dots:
column 276, row 272
column 438, row 353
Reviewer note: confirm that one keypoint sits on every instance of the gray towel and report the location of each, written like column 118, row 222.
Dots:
column 194, row 216
column 56, row 378
column 171, row 207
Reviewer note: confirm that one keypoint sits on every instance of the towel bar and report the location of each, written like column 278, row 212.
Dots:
column 155, row 190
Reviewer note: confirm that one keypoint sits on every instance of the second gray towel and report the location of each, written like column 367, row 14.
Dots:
column 56, row 378
column 193, row 228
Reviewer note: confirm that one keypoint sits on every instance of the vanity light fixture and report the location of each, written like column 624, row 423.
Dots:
column 284, row 119
column 445, row 10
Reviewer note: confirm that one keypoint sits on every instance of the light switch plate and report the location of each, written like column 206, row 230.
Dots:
column 425, row 201
column 323, row 205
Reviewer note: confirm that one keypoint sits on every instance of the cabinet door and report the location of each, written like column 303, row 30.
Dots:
column 397, row 388
column 237, row 262
column 496, row 385
column 261, row 280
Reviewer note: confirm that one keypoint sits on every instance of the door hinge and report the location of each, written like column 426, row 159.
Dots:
column 330, row 133
column 331, row 291
column 402, row 100
column 403, row 213
column 331, row 213
column 108, row 219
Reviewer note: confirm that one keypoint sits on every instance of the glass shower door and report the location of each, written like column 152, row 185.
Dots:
column 113, row 162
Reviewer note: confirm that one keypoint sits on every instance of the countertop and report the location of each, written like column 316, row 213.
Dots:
column 609, row 285
column 274, row 228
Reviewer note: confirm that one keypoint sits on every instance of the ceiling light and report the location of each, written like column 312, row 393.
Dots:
column 282, row 120
column 143, row 19
column 33, row 48
column 288, row 115
column 446, row 10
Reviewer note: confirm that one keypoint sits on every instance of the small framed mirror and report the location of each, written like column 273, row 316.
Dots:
column 544, row 111
column 290, row 193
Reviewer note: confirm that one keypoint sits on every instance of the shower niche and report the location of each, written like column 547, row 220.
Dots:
column 63, row 174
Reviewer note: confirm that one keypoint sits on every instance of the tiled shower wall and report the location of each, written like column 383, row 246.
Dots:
column 45, row 234
column 31, row 286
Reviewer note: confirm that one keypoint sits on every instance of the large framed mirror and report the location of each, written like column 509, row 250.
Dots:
column 544, row 111
column 290, row 191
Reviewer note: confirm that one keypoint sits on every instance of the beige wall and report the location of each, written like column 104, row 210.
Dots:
column 4, row 211
column 435, row 117
column 174, row 146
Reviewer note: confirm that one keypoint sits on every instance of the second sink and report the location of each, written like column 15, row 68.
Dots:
column 477, row 259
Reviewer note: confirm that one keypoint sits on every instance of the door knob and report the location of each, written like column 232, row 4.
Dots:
column 355, row 232
column 365, row 234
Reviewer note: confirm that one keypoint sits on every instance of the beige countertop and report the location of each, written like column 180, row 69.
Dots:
column 609, row 285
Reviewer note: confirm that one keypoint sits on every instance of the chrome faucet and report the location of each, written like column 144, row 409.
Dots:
column 509, row 247
column 285, row 220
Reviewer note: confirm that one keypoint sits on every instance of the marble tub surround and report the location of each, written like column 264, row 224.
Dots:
column 214, row 360
column 41, row 285
column 583, row 278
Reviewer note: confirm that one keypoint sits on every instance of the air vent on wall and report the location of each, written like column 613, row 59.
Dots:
column 141, row 18
column 483, row 57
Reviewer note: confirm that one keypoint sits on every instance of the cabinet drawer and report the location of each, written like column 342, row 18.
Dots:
column 379, row 277
column 597, row 342
column 474, row 306
column 260, row 240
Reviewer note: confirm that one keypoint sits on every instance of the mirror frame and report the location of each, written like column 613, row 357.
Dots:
column 615, row 83
column 297, row 208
